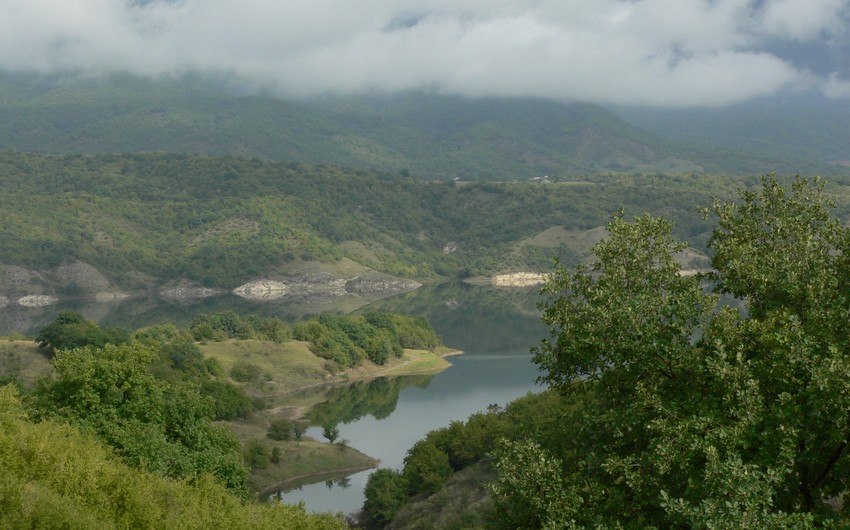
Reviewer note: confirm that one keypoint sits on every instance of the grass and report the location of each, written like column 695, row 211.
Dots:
column 291, row 366
column 286, row 366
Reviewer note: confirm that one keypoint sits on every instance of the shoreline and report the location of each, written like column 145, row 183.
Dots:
column 354, row 375
column 295, row 481
column 412, row 363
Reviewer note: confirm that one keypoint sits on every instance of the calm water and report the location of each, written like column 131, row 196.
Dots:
column 496, row 329
column 476, row 380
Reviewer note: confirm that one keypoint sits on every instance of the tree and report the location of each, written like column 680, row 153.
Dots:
column 280, row 429
column 299, row 428
column 152, row 424
column 386, row 493
column 330, row 432
column 701, row 415
column 426, row 467
column 71, row 330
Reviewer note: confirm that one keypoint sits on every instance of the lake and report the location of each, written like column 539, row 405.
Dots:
column 494, row 327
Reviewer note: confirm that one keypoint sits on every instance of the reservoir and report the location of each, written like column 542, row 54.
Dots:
column 495, row 327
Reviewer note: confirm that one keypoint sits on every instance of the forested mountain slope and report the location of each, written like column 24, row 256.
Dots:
column 814, row 129
column 431, row 136
column 145, row 219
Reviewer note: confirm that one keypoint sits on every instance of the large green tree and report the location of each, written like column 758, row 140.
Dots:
column 701, row 414
column 152, row 424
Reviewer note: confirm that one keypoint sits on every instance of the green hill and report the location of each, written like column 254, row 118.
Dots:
column 86, row 223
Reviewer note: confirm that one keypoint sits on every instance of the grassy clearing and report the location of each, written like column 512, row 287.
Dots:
column 285, row 367
column 22, row 360
column 292, row 366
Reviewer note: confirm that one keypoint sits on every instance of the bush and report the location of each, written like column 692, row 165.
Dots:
column 281, row 429
column 426, row 468
column 70, row 330
column 386, row 493
column 229, row 401
column 256, row 455
column 246, row 372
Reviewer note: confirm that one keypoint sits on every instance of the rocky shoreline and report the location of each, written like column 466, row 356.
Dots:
column 40, row 289
column 513, row 279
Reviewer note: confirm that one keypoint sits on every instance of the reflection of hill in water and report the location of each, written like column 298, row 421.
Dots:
column 140, row 311
column 475, row 318
column 471, row 318
column 377, row 398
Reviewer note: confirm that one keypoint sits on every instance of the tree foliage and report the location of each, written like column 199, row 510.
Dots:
column 703, row 415
column 385, row 492
column 56, row 475
column 229, row 325
column 349, row 339
column 177, row 216
column 158, row 426
column 72, row 330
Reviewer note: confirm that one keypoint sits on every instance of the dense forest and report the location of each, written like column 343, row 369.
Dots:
column 152, row 218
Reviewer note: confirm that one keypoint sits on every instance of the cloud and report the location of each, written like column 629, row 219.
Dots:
column 655, row 52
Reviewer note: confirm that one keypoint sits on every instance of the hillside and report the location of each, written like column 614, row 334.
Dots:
column 428, row 135
column 814, row 129
column 87, row 223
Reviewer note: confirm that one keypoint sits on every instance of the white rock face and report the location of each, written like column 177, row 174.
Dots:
column 263, row 290
column 518, row 279
column 37, row 300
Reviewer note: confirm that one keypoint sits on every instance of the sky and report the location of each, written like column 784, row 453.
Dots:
column 663, row 53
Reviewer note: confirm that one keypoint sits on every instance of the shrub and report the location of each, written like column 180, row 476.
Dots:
column 280, row 429
column 246, row 372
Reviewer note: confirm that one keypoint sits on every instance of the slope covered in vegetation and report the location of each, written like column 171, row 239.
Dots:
column 431, row 135
column 56, row 476
column 146, row 219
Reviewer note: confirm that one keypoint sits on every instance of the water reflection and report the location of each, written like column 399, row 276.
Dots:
column 470, row 386
column 377, row 398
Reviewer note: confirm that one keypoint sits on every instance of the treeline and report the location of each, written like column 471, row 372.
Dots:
column 224, row 221
column 347, row 340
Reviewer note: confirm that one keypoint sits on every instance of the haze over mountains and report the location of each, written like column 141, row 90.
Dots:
column 429, row 135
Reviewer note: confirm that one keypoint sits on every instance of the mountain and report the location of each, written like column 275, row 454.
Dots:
column 815, row 129
column 427, row 135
